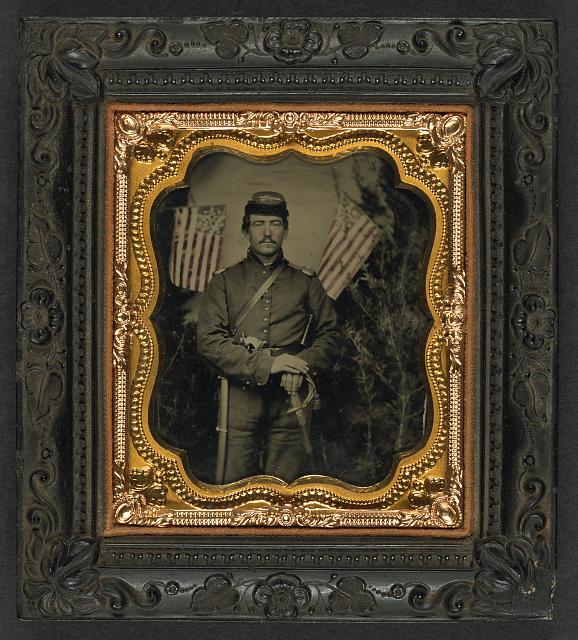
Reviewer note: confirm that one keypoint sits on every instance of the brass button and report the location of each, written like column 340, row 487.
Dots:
column 265, row 331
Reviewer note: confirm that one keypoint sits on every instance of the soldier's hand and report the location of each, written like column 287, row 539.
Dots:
column 291, row 382
column 287, row 363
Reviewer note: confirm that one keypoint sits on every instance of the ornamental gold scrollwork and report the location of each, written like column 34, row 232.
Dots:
column 285, row 516
column 146, row 136
column 446, row 508
column 439, row 507
column 125, row 318
column 453, row 319
column 440, row 499
column 166, row 141
column 289, row 121
column 442, row 138
column 143, row 500
column 132, row 509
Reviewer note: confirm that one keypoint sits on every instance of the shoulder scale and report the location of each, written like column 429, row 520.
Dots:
column 306, row 270
column 219, row 271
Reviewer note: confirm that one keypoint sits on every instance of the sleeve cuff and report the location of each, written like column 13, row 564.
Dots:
column 309, row 359
column 263, row 369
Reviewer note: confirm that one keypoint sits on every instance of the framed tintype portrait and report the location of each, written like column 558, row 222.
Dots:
column 304, row 457
column 288, row 327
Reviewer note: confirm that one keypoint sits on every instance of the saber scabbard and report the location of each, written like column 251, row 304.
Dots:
column 223, row 429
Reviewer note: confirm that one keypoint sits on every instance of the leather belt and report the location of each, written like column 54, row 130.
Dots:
column 292, row 349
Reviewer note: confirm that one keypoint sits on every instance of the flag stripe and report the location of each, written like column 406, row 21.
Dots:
column 217, row 242
column 336, row 259
column 181, row 239
column 346, row 250
column 218, row 258
column 203, row 260
column 202, row 251
column 196, row 245
column 333, row 258
column 207, row 263
column 336, row 236
column 189, row 239
column 336, row 287
column 195, row 261
column 351, row 252
column 188, row 266
column 177, row 246
column 335, row 252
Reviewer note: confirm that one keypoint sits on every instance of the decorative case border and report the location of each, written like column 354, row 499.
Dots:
column 507, row 71
column 436, row 166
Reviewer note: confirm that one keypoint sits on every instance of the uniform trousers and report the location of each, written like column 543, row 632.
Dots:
column 263, row 438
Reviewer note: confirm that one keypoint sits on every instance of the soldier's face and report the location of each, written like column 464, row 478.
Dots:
column 266, row 234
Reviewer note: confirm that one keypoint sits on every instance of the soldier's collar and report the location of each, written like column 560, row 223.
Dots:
column 251, row 257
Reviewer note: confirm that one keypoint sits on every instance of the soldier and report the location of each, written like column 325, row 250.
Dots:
column 267, row 327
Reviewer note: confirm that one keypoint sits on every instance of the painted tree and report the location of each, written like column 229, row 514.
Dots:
column 376, row 397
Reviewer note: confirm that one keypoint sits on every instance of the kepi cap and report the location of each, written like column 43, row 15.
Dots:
column 267, row 203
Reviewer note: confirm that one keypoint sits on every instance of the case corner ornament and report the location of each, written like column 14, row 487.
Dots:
column 507, row 577
column 63, row 61
column 514, row 59
column 147, row 136
column 510, row 571
column 61, row 577
column 64, row 58
column 441, row 139
column 67, row 584
column 141, row 498
column 439, row 500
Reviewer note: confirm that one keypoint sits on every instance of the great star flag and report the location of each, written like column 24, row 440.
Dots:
column 196, row 245
column 352, row 238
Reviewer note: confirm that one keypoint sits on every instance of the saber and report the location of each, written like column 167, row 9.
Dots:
column 223, row 429
column 297, row 407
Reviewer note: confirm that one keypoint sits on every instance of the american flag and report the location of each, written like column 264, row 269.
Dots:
column 351, row 239
column 196, row 245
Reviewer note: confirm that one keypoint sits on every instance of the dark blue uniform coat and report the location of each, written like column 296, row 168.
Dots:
column 258, row 405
